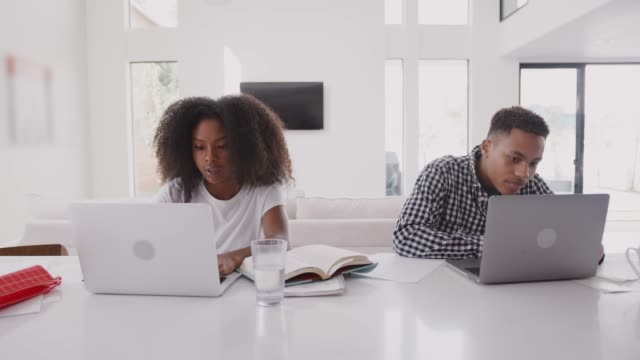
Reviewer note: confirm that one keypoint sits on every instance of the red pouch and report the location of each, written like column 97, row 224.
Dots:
column 25, row 284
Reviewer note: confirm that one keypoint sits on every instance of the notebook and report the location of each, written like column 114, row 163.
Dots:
column 316, row 262
column 333, row 286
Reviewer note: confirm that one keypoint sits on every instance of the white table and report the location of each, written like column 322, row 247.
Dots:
column 445, row 316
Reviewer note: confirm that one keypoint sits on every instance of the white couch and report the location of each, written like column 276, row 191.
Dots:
column 49, row 224
column 350, row 223
column 342, row 222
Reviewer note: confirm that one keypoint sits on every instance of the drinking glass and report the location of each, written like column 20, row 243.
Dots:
column 268, row 270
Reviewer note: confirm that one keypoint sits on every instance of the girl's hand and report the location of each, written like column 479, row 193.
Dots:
column 231, row 260
column 227, row 263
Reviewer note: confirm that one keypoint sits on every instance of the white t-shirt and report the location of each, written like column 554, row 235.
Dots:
column 237, row 221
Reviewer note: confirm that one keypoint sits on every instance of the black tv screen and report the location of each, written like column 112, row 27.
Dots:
column 299, row 104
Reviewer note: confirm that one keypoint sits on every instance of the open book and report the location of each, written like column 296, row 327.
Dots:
column 316, row 262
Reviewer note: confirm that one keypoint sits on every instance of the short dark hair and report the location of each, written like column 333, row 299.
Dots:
column 517, row 117
column 257, row 148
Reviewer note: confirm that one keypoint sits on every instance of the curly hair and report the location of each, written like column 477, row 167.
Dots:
column 257, row 149
column 517, row 117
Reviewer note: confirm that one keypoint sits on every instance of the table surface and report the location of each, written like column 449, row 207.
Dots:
column 444, row 316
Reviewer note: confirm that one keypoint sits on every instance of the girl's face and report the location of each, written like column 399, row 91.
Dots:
column 210, row 152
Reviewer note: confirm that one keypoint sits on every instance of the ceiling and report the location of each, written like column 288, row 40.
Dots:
column 608, row 32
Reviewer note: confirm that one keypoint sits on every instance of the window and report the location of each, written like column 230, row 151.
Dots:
column 153, row 13
column 591, row 110
column 612, row 134
column 551, row 93
column 394, row 119
column 443, row 12
column 393, row 12
column 154, row 86
column 442, row 109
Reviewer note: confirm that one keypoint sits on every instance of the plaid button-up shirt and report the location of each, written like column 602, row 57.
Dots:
column 445, row 215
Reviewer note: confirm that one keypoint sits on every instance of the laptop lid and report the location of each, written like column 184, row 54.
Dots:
column 147, row 249
column 542, row 237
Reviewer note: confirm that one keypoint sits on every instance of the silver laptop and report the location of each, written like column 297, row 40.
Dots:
column 539, row 238
column 148, row 249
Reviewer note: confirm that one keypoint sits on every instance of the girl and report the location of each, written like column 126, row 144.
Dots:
column 230, row 154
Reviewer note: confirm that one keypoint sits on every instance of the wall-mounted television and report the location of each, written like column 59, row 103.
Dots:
column 299, row 104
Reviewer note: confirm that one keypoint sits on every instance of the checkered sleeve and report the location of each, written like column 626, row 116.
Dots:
column 539, row 186
column 417, row 233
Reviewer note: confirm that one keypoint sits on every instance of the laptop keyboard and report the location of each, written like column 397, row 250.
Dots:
column 473, row 270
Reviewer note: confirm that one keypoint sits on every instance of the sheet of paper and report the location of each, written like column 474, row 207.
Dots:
column 28, row 306
column 616, row 267
column 399, row 268
column 609, row 286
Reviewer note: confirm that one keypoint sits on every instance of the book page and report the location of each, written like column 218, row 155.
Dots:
column 246, row 268
column 325, row 257
column 293, row 266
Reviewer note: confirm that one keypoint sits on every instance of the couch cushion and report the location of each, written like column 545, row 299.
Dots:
column 38, row 232
column 342, row 232
column 376, row 208
column 47, row 208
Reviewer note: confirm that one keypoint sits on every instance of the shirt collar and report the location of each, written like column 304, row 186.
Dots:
column 474, row 157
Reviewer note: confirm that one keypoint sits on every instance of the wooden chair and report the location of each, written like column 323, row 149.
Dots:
column 35, row 250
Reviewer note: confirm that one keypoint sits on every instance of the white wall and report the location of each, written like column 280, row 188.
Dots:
column 494, row 79
column 339, row 43
column 48, row 33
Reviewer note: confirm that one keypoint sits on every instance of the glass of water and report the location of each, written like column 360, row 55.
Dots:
column 268, row 270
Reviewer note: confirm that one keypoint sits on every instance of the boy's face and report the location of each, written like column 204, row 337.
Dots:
column 510, row 160
column 210, row 152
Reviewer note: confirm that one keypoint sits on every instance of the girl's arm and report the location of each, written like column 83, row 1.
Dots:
column 274, row 225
